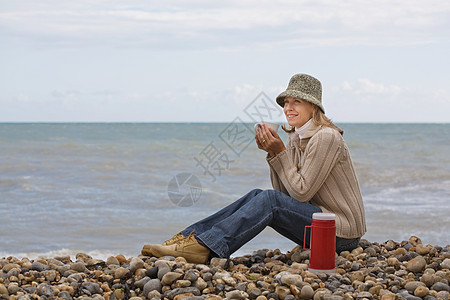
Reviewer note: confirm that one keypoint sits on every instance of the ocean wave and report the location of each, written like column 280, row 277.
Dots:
column 97, row 254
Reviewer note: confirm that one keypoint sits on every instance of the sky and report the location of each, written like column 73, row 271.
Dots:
column 206, row 61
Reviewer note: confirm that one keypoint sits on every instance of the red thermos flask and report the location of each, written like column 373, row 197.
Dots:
column 323, row 243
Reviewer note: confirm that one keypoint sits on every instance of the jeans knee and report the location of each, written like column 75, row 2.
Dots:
column 264, row 196
column 255, row 191
column 271, row 194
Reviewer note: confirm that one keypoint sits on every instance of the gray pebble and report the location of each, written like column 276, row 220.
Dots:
column 140, row 283
column 274, row 296
column 171, row 294
column 136, row 263
column 300, row 256
column 220, row 287
column 191, row 275
column 408, row 246
column 242, row 286
column 64, row 295
column 261, row 253
column 446, row 264
column 30, row 289
column 62, row 269
column 75, row 277
column 363, row 243
column 356, row 266
column 390, row 245
column 152, row 272
column 12, row 289
column 220, row 263
column 236, row 295
column 163, row 268
column 371, row 251
column 443, row 295
column 440, row 286
column 37, row 266
column 207, row 276
column 307, row 292
column 91, row 288
column 45, row 290
column 78, row 267
column 152, row 285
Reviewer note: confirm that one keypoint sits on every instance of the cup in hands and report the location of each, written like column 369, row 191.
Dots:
column 273, row 126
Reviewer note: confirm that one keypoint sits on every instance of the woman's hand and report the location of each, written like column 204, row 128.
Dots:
column 268, row 140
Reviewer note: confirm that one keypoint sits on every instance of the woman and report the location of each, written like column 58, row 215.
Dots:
column 312, row 173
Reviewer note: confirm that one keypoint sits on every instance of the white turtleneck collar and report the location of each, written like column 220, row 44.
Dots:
column 302, row 130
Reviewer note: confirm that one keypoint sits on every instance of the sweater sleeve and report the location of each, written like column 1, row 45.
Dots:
column 321, row 155
column 276, row 182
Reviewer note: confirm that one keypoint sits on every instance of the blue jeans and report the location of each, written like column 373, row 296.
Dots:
column 230, row 228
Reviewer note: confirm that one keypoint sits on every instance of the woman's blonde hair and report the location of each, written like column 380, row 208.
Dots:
column 319, row 118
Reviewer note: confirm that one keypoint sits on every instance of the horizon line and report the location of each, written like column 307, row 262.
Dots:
column 197, row 122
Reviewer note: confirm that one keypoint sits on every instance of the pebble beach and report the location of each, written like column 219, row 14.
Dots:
column 389, row 270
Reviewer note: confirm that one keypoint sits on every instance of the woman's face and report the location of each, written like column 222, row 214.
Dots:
column 297, row 111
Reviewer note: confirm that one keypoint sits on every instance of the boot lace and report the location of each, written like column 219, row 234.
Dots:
column 188, row 239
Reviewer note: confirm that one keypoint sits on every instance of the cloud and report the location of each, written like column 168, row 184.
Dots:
column 368, row 88
column 21, row 98
column 243, row 94
column 69, row 95
column 229, row 25
column 365, row 100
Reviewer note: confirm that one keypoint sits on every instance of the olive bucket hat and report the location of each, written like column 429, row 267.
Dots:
column 303, row 86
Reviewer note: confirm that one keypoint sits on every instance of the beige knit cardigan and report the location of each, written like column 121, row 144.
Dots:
column 318, row 169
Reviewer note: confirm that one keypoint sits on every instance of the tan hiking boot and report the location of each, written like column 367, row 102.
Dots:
column 189, row 248
column 147, row 250
column 174, row 239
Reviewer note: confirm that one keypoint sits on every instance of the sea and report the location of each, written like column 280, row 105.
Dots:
column 109, row 188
